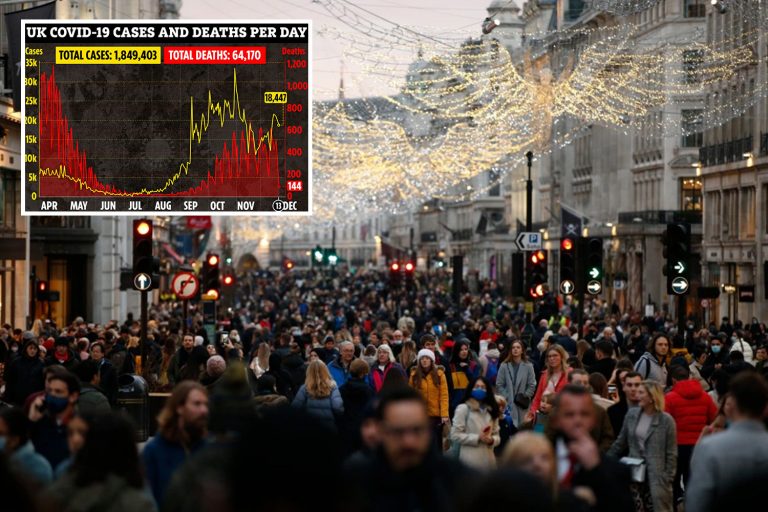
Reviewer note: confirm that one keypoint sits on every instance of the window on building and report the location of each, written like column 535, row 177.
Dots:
column 494, row 182
column 692, row 62
column 691, row 126
column 694, row 8
column 690, row 194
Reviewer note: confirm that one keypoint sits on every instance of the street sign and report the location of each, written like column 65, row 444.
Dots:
column 594, row 287
column 746, row 293
column 678, row 267
column 142, row 282
column 185, row 285
column 527, row 241
column 567, row 287
column 705, row 303
column 679, row 285
column 619, row 284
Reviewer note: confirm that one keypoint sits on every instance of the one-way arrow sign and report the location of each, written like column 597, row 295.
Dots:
column 594, row 273
column 680, row 285
column 142, row 281
column 679, row 267
column 594, row 287
column 567, row 287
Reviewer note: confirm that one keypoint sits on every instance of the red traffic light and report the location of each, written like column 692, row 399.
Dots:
column 289, row 264
column 42, row 285
column 143, row 227
column 394, row 267
column 538, row 257
column 228, row 280
column 567, row 244
column 213, row 260
column 409, row 267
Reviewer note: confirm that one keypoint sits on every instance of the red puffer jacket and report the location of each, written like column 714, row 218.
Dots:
column 691, row 408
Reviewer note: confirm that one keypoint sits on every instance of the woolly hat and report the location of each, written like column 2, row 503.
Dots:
column 425, row 352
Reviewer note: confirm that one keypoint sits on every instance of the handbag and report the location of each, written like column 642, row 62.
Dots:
column 636, row 468
column 522, row 400
column 454, row 450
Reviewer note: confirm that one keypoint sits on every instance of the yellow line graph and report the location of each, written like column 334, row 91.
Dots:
column 224, row 110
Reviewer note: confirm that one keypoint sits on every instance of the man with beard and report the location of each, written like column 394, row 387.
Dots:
column 181, row 431
column 180, row 360
column 406, row 472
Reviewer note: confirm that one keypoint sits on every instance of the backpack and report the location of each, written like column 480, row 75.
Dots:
column 493, row 369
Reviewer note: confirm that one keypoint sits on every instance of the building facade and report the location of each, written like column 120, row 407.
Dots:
column 734, row 175
column 72, row 254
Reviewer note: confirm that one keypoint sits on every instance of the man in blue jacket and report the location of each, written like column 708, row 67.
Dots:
column 339, row 367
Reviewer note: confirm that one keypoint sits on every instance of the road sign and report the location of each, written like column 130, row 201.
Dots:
column 594, row 287
column 594, row 273
column 619, row 284
column 567, row 287
column 705, row 303
column 185, row 285
column 679, row 285
column 527, row 241
column 142, row 282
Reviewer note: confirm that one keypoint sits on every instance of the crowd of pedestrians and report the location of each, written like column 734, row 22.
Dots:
column 415, row 401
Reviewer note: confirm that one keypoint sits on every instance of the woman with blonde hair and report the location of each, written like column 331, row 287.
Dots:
column 260, row 363
column 650, row 434
column 553, row 379
column 534, row 454
column 319, row 395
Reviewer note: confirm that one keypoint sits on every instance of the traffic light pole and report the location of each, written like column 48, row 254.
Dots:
column 143, row 333
column 528, row 225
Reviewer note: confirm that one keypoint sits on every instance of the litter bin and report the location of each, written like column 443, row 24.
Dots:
column 133, row 399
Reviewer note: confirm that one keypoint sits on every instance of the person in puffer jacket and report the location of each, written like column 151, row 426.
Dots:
column 692, row 409
column 319, row 395
column 652, row 364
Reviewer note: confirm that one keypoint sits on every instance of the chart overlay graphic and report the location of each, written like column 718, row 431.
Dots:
column 175, row 118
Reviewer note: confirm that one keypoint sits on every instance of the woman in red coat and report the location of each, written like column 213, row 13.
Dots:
column 553, row 379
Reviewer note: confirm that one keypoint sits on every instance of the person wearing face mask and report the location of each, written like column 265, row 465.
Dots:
column 718, row 356
column 50, row 414
column 475, row 426
column 15, row 444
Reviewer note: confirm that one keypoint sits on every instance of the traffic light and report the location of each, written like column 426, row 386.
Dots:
column 410, row 271
column 537, row 273
column 287, row 264
column 677, row 250
column 394, row 274
column 591, row 260
column 143, row 260
column 567, row 266
column 318, row 256
column 228, row 280
column 41, row 290
column 210, row 277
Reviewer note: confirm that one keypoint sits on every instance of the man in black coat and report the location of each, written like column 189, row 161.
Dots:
column 579, row 461
column 107, row 373
column 406, row 473
column 24, row 375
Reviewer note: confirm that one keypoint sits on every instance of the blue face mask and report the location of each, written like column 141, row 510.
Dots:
column 478, row 394
column 56, row 404
column 716, row 349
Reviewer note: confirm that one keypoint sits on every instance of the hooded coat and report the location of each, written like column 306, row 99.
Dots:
column 649, row 368
column 692, row 409
column 23, row 376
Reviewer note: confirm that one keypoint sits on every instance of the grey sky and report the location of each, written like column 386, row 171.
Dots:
column 456, row 18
